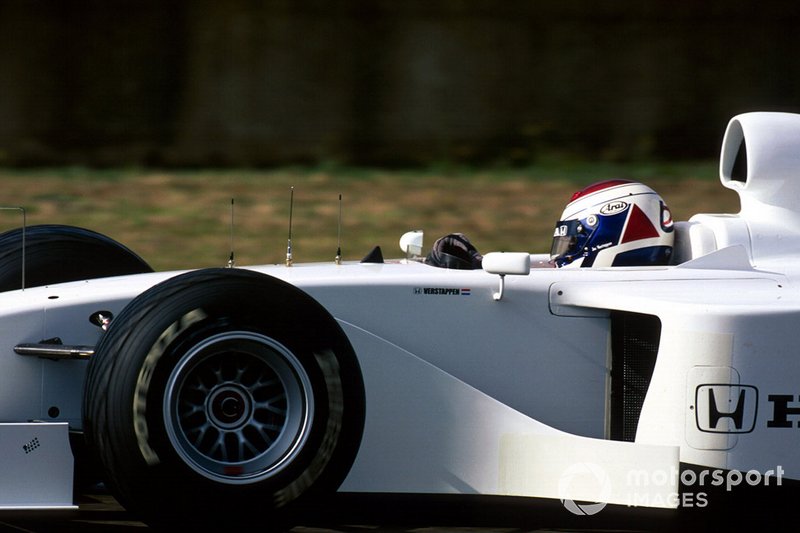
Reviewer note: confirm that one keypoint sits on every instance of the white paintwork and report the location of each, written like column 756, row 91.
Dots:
column 449, row 437
column 465, row 394
column 36, row 466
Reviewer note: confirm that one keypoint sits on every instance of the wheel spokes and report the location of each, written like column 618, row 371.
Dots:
column 240, row 410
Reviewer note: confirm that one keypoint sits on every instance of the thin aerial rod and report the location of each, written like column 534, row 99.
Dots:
column 289, row 244
column 338, row 258
column 231, row 260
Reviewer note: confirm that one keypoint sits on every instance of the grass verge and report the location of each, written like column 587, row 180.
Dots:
column 181, row 218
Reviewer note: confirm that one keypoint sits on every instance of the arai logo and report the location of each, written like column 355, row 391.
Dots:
column 612, row 208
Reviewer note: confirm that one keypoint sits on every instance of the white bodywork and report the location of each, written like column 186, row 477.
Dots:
column 482, row 383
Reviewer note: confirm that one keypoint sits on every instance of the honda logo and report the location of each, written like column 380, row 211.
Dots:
column 723, row 408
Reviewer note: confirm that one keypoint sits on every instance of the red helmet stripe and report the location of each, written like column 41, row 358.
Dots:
column 639, row 226
column 599, row 186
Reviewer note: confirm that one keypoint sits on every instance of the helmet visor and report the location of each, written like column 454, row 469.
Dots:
column 565, row 237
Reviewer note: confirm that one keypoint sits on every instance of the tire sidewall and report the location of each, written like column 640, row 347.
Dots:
column 57, row 253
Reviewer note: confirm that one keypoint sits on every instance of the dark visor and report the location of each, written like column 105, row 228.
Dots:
column 564, row 237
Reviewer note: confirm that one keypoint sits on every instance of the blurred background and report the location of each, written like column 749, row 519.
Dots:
column 384, row 82
column 478, row 116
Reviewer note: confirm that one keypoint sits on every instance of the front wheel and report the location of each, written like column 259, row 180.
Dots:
column 223, row 396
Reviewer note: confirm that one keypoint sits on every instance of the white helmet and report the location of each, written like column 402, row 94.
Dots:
column 613, row 223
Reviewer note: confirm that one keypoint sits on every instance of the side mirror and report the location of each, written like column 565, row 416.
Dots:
column 411, row 243
column 506, row 263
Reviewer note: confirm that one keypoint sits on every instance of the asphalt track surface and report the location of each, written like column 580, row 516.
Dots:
column 100, row 513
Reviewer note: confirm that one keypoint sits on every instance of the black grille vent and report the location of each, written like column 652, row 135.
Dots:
column 634, row 346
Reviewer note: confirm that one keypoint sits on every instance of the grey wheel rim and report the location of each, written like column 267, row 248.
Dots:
column 238, row 407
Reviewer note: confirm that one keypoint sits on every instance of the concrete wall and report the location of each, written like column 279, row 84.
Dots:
column 246, row 82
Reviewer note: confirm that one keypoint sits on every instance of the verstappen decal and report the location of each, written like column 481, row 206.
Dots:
column 442, row 291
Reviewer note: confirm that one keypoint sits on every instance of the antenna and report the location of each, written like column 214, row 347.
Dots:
column 289, row 245
column 338, row 259
column 231, row 260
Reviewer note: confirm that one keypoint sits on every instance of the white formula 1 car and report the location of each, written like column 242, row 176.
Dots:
column 241, row 394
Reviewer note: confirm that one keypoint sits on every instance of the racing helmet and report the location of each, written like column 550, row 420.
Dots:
column 613, row 223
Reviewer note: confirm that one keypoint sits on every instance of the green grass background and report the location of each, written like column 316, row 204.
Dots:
column 181, row 218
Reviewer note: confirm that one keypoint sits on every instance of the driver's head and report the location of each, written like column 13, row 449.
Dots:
column 613, row 223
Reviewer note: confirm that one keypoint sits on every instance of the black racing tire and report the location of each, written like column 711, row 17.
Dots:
column 223, row 397
column 57, row 253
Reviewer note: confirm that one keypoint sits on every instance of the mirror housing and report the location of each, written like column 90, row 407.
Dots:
column 503, row 263
column 411, row 243
column 506, row 263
